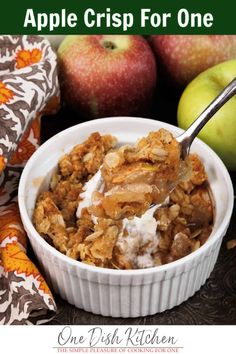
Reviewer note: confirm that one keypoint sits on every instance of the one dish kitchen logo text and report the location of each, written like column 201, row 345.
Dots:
column 115, row 340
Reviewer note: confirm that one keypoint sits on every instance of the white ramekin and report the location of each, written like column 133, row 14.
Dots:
column 123, row 293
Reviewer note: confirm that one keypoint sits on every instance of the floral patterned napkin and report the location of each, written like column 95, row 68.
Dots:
column 28, row 88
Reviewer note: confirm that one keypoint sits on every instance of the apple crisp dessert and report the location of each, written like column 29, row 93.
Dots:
column 97, row 209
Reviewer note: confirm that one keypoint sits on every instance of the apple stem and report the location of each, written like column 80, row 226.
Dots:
column 109, row 45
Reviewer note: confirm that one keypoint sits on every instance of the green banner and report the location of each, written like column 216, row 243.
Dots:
column 117, row 17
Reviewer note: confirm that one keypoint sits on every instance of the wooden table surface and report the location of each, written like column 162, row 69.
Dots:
column 214, row 303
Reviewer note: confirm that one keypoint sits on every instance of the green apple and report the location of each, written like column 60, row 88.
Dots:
column 220, row 131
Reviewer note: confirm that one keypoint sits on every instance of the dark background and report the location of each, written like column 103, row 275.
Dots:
column 215, row 302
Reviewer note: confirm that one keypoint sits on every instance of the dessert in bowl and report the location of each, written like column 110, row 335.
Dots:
column 104, row 262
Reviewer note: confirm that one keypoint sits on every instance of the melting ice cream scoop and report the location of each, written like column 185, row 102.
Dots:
column 139, row 232
column 96, row 183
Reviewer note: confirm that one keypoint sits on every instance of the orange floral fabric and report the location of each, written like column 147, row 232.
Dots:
column 27, row 57
column 2, row 163
column 26, row 146
column 11, row 226
column 5, row 93
column 5, row 97
column 14, row 262
column 23, row 98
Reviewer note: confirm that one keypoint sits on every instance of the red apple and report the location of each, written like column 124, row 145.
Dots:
column 185, row 56
column 107, row 75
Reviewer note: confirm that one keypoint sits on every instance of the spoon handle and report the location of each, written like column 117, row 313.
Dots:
column 188, row 136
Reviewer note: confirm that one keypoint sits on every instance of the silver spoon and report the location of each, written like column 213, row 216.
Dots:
column 185, row 139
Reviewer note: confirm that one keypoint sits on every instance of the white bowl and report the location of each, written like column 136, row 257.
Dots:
column 123, row 293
